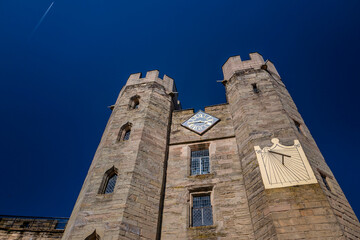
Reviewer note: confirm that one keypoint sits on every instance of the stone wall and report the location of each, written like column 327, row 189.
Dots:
column 225, row 181
column 30, row 228
column 131, row 211
column 29, row 235
column 154, row 190
column 306, row 211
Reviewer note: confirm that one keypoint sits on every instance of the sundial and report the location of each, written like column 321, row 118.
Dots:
column 284, row 166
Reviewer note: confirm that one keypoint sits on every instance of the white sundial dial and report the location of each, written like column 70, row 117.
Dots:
column 200, row 122
column 284, row 166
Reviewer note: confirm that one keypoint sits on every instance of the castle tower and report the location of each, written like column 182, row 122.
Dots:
column 121, row 195
column 245, row 169
column 262, row 109
column 249, row 168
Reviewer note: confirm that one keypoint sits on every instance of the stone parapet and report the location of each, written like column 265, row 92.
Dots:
column 20, row 227
column 235, row 64
column 152, row 76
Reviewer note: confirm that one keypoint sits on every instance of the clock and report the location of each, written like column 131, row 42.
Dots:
column 284, row 166
column 200, row 122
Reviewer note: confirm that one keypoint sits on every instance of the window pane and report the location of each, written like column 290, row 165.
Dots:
column 200, row 162
column 205, row 165
column 201, row 201
column 202, row 211
column 61, row 224
column 127, row 135
column 111, row 184
column 200, row 153
column 195, row 166
column 207, row 216
column 197, row 217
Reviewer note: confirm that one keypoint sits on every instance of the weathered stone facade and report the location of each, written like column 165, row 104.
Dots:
column 31, row 228
column 132, row 210
column 146, row 204
column 242, row 207
column 145, row 146
column 302, row 212
column 225, row 181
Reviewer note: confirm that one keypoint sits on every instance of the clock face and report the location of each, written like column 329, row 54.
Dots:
column 284, row 166
column 200, row 122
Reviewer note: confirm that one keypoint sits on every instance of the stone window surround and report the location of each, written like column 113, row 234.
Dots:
column 134, row 102
column 200, row 191
column 108, row 174
column 196, row 147
column 126, row 127
column 255, row 88
column 328, row 178
column 93, row 236
column 298, row 126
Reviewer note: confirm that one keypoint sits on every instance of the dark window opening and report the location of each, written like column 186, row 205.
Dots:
column 297, row 125
column 124, row 133
column 325, row 181
column 127, row 135
column 202, row 211
column 25, row 225
column 93, row 236
column 200, row 162
column 134, row 102
column 255, row 88
column 61, row 225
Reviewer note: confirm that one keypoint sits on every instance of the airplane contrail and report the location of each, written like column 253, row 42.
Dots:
column 41, row 19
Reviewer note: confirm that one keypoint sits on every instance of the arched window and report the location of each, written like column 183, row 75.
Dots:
column 127, row 135
column 110, row 186
column 134, row 102
column 298, row 126
column 109, row 181
column 93, row 236
column 124, row 133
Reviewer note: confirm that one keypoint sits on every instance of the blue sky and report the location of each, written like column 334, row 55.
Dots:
column 55, row 86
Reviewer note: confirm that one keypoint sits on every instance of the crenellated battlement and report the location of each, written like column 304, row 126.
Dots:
column 153, row 76
column 234, row 64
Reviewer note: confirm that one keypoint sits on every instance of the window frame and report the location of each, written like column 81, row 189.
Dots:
column 199, row 147
column 105, row 181
column 206, row 191
column 201, row 162
column 126, row 128
column 107, row 185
